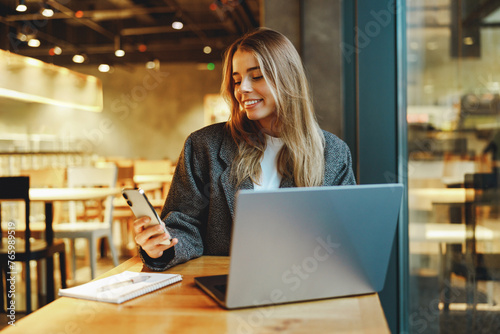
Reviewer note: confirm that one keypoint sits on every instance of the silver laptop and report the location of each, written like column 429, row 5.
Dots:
column 298, row 244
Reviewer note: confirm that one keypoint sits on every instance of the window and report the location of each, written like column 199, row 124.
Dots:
column 453, row 114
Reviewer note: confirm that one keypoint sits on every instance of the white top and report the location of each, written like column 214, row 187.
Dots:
column 270, row 178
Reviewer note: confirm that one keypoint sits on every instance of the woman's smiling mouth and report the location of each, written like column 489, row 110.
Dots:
column 251, row 103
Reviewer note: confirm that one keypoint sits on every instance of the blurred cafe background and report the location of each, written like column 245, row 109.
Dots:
column 412, row 86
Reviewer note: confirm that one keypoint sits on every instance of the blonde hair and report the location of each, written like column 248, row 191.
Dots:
column 302, row 154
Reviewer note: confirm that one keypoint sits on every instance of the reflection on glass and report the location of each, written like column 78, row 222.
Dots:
column 453, row 61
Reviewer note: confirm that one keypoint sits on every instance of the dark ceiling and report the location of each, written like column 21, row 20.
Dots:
column 142, row 27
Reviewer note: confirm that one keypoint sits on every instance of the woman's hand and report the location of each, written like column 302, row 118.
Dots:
column 150, row 238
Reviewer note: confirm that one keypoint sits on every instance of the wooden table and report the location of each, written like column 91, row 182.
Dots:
column 70, row 194
column 184, row 308
column 51, row 195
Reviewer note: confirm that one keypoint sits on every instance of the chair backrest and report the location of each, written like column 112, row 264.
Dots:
column 46, row 177
column 14, row 188
column 125, row 177
column 17, row 188
column 150, row 167
column 88, row 176
column 154, row 167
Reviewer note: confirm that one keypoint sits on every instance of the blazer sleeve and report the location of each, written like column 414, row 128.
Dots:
column 338, row 162
column 184, row 212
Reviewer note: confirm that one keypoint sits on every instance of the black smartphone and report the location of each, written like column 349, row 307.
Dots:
column 141, row 207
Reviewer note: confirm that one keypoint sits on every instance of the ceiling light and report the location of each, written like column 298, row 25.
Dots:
column 34, row 43
column 78, row 58
column 104, row 68
column 22, row 37
column 119, row 52
column 177, row 25
column 153, row 64
column 47, row 11
column 207, row 49
column 55, row 51
column 21, row 6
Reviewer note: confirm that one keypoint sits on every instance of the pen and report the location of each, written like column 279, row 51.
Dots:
column 124, row 283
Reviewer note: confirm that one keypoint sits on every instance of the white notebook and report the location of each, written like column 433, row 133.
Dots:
column 121, row 287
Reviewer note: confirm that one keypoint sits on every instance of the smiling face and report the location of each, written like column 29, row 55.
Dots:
column 252, row 91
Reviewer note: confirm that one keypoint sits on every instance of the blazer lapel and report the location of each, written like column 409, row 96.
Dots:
column 228, row 152
column 287, row 182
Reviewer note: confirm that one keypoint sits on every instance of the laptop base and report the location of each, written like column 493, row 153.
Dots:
column 214, row 286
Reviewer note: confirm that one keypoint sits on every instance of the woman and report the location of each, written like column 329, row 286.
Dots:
column 271, row 140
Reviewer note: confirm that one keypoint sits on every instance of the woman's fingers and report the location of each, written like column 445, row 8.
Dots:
column 154, row 247
column 151, row 238
column 139, row 224
column 142, row 237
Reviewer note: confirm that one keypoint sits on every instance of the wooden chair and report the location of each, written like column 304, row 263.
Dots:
column 23, row 248
column 121, row 211
column 151, row 168
column 90, row 230
column 47, row 178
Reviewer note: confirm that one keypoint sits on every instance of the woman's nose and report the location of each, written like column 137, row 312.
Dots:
column 245, row 86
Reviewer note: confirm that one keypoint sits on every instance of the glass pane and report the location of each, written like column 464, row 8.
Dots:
column 453, row 61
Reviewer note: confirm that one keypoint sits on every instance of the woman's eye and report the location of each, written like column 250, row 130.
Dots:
column 237, row 83
column 258, row 78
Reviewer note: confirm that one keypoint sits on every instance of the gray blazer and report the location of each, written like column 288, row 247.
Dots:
column 199, row 208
